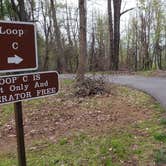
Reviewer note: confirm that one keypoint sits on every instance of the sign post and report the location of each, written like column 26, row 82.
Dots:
column 18, row 53
column 20, row 134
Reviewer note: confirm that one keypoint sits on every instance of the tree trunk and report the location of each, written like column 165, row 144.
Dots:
column 111, row 37
column 61, row 65
column 117, row 8
column 1, row 10
column 92, row 52
column 23, row 15
column 83, row 41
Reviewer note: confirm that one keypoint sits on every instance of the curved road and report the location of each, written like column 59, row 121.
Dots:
column 155, row 86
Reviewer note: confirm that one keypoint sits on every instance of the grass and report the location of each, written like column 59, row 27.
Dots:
column 144, row 140
column 163, row 121
column 66, row 82
column 79, row 149
column 160, row 137
column 147, row 73
column 139, row 99
column 6, row 111
column 160, row 156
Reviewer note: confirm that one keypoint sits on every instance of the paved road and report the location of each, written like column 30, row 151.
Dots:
column 154, row 86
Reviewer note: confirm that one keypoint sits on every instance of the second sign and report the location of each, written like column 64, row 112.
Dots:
column 27, row 86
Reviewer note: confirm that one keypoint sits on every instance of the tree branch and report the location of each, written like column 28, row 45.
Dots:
column 15, row 8
column 126, row 11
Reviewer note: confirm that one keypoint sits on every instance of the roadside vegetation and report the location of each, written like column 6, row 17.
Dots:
column 123, row 127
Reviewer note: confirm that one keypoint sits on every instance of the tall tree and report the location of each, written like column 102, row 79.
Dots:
column 117, row 14
column 2, row 9
column 111, row 36
column 61, row 65
column 83, row 40
column 114, row 16
column 19, row 9
column 46, row 25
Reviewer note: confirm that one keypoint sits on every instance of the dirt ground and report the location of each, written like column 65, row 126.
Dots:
column 55, row 117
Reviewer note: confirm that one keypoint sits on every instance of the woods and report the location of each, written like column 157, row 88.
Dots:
column 95, row 55
column 73, row 39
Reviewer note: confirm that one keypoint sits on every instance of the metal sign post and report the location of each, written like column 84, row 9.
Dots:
column 20, row 134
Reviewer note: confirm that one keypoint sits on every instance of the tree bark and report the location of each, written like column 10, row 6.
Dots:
column 83, row 41
column 61, row 64
column 117, row 8
column 111, row 35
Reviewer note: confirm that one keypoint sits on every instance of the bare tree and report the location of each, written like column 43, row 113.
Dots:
column 114, row 31
column 46, row 26
column 61, row 65
column 111, row 35
column 83, row 41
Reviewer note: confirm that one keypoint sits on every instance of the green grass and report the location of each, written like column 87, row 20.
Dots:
column 80, row 149
column 8, row 159
column 67, row 82
column 160, row 156
column 163, row 121
column 6, row 111
column 109, row 149
column 160, row 137
column 147, row 73
column 135, row 97
column 83, row 149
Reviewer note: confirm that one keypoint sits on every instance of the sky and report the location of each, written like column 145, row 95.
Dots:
column 101, row 6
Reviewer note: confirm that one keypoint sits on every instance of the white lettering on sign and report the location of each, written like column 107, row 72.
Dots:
column 17, row 96
column 20, row 87
column 41, row 85
column 15, row 46
column 10, row 80
column 24, row 87
column 1, row 90
column 47, row 91
column 15, row 32
column 36, row 77
column 25, row 78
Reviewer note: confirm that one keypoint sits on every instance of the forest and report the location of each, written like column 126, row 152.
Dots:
column 70, row 40
column 109, row 108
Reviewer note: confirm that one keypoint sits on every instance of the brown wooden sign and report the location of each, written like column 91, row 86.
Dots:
column 18, row 48
column 27, row 86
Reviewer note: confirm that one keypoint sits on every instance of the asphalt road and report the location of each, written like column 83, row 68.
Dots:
column 154, row 86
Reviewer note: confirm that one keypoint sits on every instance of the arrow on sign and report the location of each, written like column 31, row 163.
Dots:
column 15, row 60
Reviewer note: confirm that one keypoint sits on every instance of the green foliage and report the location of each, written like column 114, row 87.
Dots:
column 67, row 82
column 160, row 156
column 63, row 141
column 119, row 148
column 8, row 10
column 6, row 112
column 8, row 160
column 109, row 149
column 160, row 137
column 163, row 121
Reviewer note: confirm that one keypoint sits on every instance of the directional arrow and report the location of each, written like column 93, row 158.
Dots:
column 15, row 60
